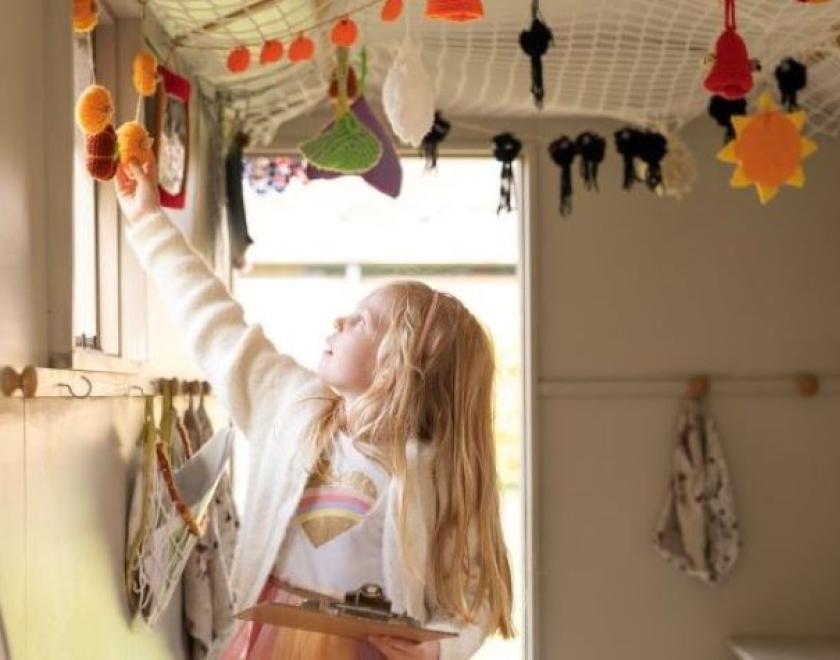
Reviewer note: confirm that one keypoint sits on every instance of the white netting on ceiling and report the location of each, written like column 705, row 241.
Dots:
column 635, row 60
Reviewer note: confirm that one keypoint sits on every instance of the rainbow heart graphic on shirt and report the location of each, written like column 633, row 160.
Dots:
column 334, row 504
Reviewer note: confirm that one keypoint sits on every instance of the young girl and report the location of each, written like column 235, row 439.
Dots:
column 378, row 468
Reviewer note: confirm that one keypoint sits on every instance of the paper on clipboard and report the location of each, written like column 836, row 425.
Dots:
column 198, row 478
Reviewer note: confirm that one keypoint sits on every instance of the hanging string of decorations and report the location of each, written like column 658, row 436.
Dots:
column 535, row 42
column 106, row 147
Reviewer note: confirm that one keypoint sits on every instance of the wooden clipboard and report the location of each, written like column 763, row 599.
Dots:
column 337, row 623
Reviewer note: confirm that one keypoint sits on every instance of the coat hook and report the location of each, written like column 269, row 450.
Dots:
column 698, row 387
column 79, row 396
column 807, row 385
column 26, row 381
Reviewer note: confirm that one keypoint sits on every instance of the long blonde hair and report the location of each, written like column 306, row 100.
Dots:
column 434, row 381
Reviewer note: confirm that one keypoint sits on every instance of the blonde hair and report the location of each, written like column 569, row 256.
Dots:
column 433, row 381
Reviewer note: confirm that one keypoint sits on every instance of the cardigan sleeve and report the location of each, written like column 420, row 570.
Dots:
column 470, row 636
column 248, row 374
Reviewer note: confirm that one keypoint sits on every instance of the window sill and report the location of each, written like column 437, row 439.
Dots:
column 89, row 360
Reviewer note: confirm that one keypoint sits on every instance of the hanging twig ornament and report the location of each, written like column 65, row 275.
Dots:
column 722, row 110
column 563, row 152
column 591, row 148
column 535, row 41
column 432, row 140
column 506, row 148
column 791, row 77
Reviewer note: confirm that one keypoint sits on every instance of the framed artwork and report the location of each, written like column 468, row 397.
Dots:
column 171, row 133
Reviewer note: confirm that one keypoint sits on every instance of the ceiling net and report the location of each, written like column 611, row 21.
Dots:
column 639, row 61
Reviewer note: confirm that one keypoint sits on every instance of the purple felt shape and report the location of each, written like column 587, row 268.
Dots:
column 386, row 175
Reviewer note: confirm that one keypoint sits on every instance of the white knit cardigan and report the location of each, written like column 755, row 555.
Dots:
column 273, row 400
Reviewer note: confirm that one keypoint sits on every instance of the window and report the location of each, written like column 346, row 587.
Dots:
column 103, row 330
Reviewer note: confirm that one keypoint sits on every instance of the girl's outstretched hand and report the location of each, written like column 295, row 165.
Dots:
column 394, row 648
column 137, row 191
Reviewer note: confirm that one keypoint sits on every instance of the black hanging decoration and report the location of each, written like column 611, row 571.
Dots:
column 791, row 77
column 535, row 41
column 563, row 152
column 722, row 110
column 652, row 149
column 591, row 148
column 627, row 143
column 505, row 149
column 432, row 140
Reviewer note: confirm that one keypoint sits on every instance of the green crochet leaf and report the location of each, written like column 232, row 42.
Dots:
column 347, row 147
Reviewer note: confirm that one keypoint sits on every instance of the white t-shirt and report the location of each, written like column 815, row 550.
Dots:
column 334, row 540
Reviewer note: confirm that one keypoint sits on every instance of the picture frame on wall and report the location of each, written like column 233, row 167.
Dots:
column 171, row 134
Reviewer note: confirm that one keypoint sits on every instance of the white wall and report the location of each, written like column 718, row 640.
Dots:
column 66, row 465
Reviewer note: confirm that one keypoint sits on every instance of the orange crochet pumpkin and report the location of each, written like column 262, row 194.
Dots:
column 456, row 11
column 239, row 59
column 301, row 49
column 344, row 33
column 391, row 10
column 133, row 143
column 94, row 109
column 101, row 154
column 85, row 15
column 145, row 73
column 272, row 51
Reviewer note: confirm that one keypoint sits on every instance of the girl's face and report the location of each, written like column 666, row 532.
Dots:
column 349, row 359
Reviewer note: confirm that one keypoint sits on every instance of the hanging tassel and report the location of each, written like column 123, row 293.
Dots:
column 722, row 110
column 506, row 149
column 652, row 149
column 563, row 152
column 591, row 148
column 432, row 140
column 627, row 143
column 535, row 41
column 791, row 77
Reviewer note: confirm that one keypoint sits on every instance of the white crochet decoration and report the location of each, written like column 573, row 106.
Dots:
column 408, row 96
column 679, row 168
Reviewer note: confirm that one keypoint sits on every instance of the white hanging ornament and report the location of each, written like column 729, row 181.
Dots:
column 679, row 168
column 408, row 96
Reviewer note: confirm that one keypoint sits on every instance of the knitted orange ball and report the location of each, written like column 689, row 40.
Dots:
column 301, row 49
column 239, row 59
column 272, row 51
column 94, row 109
column 101, row 154
column 85, row 15
column 145, row 73
column 391, row 10
column 133, row 143
column 344, row 33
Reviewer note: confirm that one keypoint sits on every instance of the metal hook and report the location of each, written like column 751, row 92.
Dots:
column 79, row 396
column 139, row 389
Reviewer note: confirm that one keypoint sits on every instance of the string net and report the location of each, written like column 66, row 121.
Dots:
column 639, row 61
column 159, row 542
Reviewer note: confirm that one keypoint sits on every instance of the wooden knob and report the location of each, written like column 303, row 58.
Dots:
column 698, row 387
column 26, row 381
column 808, row 385
column 205, row 387
column 174, row 386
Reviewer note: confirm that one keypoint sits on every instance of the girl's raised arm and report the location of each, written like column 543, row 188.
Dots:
column 248, row 375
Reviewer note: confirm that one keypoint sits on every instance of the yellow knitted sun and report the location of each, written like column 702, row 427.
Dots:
column 768, row 149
